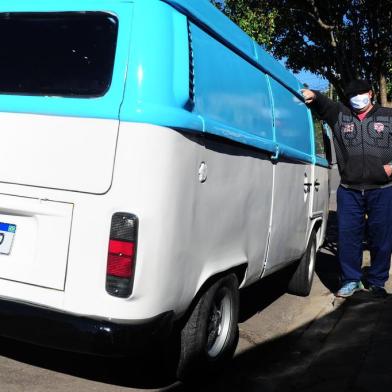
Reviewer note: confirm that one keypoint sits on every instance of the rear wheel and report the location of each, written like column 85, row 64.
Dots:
column 210, row 335
column 302, row 279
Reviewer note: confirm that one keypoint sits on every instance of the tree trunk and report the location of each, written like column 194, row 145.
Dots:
column 383, row 91
column 330, row 91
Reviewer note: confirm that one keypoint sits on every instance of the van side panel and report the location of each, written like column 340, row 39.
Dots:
column 157, row 85
column 210, row 16
column 207, row 16
column 189, row 230
column 232, row 98
column 276, row 69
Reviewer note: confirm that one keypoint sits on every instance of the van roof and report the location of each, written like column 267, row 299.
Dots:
column 210, row 18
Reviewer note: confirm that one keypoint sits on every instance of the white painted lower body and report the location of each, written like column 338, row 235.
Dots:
column 188, row 230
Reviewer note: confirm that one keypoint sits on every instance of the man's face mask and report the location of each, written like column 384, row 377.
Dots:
column 360, row 101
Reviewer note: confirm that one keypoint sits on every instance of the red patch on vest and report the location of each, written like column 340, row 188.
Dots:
column 348, row 128
column 379, row 127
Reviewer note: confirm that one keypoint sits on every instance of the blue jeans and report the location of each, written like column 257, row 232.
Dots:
column 352, row 206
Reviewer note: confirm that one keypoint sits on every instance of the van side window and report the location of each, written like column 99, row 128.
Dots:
column 322, row 139
column 318, row 137
column 69, row 54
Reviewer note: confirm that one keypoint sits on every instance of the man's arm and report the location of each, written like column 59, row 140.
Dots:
column 324, row 107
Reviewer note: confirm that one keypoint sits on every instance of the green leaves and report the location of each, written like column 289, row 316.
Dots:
column 257, row 22
column 338, row 39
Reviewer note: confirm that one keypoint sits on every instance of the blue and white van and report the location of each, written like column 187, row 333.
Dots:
column 154, row 161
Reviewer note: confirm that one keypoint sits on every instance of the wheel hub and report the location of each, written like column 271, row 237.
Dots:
column 218, row 325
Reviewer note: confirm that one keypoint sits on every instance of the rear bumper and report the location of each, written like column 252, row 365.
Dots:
column 64, row 331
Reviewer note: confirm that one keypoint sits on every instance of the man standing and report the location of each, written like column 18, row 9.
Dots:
column 362, row 133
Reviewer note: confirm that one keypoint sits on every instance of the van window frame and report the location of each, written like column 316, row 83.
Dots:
column 105, row 107
column 60, row 24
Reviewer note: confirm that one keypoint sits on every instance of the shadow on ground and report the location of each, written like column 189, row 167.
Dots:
column 327, row 267
column 346, row 350
column 125, row 372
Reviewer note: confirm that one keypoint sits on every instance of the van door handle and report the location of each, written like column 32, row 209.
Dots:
column 316, row 183
column 307, row 186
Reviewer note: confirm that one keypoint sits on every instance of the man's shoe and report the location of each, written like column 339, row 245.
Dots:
column 348, row 289
column 377, row 291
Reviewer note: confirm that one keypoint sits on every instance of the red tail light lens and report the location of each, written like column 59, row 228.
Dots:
column 120, row 258
column 121, row 255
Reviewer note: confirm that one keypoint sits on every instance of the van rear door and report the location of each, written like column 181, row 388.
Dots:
column 61, row 87
column 62, row 76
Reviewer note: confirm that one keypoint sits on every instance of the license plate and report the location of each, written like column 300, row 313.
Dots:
column 7, row 234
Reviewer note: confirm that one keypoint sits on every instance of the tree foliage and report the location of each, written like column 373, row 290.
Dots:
column 338, row 39
column 254, row 21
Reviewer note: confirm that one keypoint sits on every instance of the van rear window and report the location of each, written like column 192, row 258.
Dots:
column 68, row 54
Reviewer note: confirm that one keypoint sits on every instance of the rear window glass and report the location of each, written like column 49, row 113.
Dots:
column 67, row 54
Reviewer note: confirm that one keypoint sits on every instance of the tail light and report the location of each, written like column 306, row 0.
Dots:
column 121, row 255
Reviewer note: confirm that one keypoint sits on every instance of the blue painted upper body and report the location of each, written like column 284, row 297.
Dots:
column 238, row 90
column 212, row 18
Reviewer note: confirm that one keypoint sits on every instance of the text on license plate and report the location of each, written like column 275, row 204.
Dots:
column 7, row 234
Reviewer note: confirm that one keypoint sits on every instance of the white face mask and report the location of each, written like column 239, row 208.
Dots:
column 360, row 101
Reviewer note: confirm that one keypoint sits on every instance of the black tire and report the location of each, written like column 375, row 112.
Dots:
column 302, row 279
column 210, row 335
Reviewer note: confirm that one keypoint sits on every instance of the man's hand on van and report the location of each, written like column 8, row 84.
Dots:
column 309, row 96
